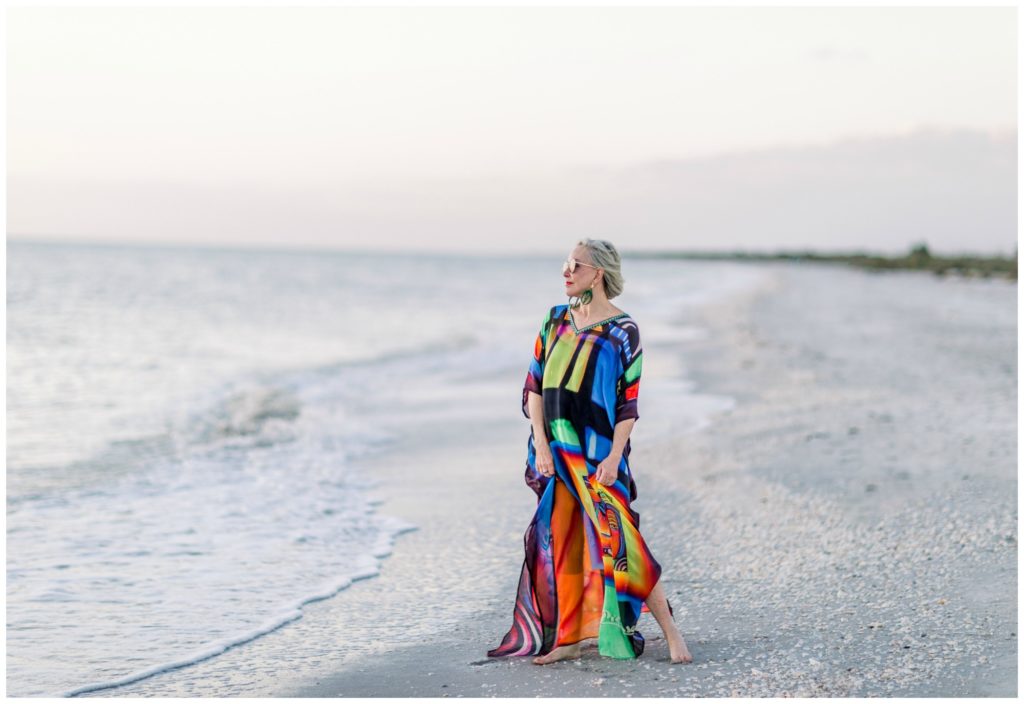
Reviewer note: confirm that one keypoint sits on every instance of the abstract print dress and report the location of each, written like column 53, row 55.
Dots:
column 587, row 571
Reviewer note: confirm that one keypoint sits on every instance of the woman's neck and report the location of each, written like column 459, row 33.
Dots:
column 595, row 310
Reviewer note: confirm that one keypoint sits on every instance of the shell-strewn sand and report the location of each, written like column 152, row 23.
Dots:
column 848, row 529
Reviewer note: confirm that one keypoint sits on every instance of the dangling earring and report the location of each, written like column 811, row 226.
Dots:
column 588, row 295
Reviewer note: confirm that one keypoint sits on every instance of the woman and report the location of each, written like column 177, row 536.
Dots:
column 588, row 572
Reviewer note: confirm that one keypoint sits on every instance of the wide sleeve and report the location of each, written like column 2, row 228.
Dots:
column 627, row 387
column 535, row 374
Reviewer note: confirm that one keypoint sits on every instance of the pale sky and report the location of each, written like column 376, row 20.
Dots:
column 515, row 129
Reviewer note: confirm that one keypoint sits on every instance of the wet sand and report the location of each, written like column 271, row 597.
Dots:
column 847, row 529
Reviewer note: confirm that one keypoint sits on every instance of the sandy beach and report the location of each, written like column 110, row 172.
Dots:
column 847, row 528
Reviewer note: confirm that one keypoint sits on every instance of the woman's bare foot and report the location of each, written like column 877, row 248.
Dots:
column 677, row 650
column 560, row 653
column 657, row 602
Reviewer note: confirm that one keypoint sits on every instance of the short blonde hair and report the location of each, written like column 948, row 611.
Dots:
column 603, row 254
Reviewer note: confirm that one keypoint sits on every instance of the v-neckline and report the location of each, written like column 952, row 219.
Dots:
column 568, row 312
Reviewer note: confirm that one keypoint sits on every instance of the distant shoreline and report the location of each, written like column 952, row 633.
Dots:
column 918, row 258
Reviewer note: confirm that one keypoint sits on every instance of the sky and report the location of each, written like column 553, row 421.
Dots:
column 487, row 129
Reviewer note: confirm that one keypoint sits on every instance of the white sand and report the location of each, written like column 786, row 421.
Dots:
column 848, row 529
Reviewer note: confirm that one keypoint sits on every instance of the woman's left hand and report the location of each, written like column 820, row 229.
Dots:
column 608, row 470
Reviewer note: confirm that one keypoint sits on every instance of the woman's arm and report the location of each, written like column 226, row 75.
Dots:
column 544, row 461
column 622, row 430
column 608, row 468
column 536, row 407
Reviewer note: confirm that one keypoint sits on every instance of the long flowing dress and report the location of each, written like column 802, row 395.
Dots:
column 587, row 570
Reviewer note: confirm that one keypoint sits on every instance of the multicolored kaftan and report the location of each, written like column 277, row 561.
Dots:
column 587, row 570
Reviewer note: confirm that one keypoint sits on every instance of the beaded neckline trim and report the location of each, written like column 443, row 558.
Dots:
column 572, row 322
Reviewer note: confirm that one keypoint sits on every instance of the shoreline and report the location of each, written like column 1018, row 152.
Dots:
column 818, row 536
column 786, row 578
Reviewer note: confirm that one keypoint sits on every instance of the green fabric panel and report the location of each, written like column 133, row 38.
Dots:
column 612, row 640
column 557, row 364
column 633, row 371
column 580, row 366
column 563, row 431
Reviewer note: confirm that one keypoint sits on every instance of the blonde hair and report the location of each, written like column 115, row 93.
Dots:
column 603, row 254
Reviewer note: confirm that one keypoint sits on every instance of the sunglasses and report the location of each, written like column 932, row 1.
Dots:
column 569, row 266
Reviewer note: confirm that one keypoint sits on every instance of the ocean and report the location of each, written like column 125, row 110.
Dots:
column 183, row 423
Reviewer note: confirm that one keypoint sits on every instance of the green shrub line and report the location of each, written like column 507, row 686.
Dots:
column 918, row 258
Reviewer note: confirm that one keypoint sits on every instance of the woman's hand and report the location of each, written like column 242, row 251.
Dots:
column 545, row 463
column 608, row 470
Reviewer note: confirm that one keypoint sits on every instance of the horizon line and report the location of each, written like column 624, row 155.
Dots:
column 51, row 240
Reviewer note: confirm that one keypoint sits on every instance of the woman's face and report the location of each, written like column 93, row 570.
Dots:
column 576, row 282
